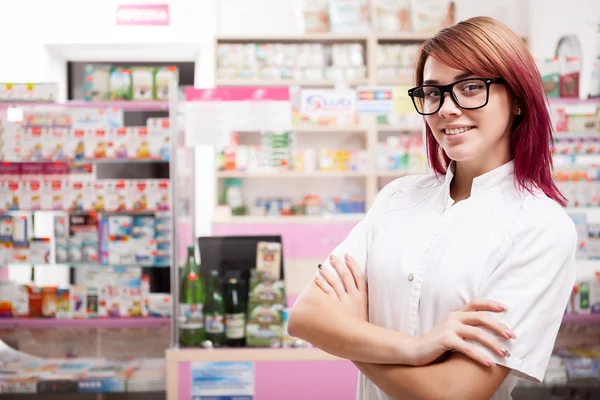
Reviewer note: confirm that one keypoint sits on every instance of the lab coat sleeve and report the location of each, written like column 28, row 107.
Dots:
column 534, row 281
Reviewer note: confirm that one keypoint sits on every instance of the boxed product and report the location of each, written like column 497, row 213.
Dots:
column 63, row 304
column 158, row 195
column 52, row 194
column 138, row 192
column 96, row 82
column 392, row 15
column 315, row 15
column 122, row 139
column 96, row 144
column 54, row 144
column 349, row 15
column 49, row 302
column 78, row 302
column 429, row 16
column 139, row 146
column 159, row 138
column 550, row 72
column 569, row 77
column 120, row 85
column 143, row 83
column 32, row 144
column 76, row 148
column 162, row 79
column 264, row 328
column 39, row 251
column 268, row 265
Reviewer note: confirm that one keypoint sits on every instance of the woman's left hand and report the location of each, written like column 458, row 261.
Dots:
column 352, row 291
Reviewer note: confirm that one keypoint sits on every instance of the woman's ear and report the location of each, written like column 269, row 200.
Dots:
column 517, row 109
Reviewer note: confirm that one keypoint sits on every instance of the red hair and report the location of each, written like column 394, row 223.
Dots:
column 488, row 48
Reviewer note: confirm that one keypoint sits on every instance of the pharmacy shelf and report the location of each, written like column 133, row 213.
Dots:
column 575, row 319
column 249, row 354
column 289, row 82
column 307, row 37
column 307, row 219
column 291, row 174
column 93, row 161
column 573, row 101
column 123, row 105
column 394, row 82
column 329, row 129
column 82, row 265
column 399, row 128
column 392, row 174
column 51, row 323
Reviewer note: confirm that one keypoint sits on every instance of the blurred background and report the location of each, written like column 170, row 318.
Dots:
column 171, row 172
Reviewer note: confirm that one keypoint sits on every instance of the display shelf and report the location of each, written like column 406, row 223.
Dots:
column 123, row 105
column 290, row 174
column 568, row 100
column 40, row 323
column 394, row 82
column 308, row 219
column 576, row 319
column 329, row 129
column 398, row 174
column 289, row 82
column 249, row 354
column 399, row 128
column 83, row 265
column 306, row 37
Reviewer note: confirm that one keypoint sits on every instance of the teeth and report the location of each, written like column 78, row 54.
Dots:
column 457, row 130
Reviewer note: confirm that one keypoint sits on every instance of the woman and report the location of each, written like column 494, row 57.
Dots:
column 469, row 270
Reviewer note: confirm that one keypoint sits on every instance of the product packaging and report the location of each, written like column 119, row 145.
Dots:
column 120, row 83
column 569, row 77
column 96, row 82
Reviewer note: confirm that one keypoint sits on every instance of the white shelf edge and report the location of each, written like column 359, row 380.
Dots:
column 329, row 129
column 399, row 128
column 251, row 219
column 290, row 174
column 249, row 354
column 288, row 82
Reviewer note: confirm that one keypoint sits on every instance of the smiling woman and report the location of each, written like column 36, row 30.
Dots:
column 454, row 284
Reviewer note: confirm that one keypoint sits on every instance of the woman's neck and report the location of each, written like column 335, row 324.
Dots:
column 466, row 172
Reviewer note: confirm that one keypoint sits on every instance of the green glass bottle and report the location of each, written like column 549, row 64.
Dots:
column 214, row 312
column 192, row 296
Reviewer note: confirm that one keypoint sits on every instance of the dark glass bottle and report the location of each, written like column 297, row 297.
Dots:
column 215, row 312
column 235, row 317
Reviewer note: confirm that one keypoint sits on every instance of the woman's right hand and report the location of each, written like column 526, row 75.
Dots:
column 468, row 323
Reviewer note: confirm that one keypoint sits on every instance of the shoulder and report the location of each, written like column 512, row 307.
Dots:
column 408, row 191
column 544, row 218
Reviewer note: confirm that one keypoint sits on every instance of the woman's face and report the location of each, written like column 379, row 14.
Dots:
column 476, row 136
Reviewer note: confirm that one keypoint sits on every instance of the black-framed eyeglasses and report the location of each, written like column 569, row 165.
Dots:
column 468, row 94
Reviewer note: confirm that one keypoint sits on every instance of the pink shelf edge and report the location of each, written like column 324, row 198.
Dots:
column 581, row 318
column 52, row 323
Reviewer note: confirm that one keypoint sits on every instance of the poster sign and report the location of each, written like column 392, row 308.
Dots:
column 143, row 14
column 212, row 114
column 222, row 380
column 402, row 102
column 328, row 106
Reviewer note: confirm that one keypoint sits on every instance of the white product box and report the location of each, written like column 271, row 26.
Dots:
column 138, row 195
column 76, row 144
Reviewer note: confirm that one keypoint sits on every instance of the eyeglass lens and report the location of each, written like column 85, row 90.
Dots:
column 469, row 94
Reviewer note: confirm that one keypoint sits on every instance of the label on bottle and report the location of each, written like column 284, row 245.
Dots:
column 191, row 316
column 236, row 326
column 215, row 323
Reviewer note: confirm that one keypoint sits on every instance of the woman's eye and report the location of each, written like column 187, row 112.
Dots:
column 471, row 87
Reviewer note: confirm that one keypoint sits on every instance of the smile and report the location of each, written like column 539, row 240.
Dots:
column 456, row 131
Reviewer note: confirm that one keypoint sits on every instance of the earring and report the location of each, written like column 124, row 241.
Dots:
column 519, row 111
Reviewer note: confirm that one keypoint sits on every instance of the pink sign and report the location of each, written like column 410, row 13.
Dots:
column 238, row 94
column 143, row 14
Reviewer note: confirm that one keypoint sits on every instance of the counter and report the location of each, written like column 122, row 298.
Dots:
column 293, row 374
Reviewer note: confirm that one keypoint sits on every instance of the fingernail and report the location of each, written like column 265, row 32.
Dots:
column 331, row 257
column 505, row 352
column 320, row 266
column 503, row 307
column 489, row 362
column 511, row 334
column 346, row 256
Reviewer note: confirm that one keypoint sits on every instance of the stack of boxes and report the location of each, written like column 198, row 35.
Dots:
column 266, row 298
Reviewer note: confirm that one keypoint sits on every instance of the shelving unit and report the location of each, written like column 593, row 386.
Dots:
column 51, row 323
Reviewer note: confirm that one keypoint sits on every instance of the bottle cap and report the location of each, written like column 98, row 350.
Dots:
column 232, row 280
column 190, row 250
